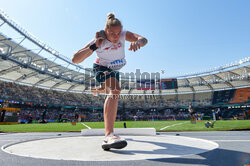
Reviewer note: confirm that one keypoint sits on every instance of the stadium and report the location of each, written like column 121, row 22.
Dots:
column 40, row 85
column 31, row 81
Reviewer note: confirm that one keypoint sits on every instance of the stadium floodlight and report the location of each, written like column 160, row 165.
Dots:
column 32, row 63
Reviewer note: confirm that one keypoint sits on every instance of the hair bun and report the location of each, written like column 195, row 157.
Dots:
column 110, row 16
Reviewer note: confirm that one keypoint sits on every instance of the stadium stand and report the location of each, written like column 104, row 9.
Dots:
column 223, row 97
column 241, row 96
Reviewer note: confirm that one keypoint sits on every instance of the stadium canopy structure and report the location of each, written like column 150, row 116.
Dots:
column 28, row 66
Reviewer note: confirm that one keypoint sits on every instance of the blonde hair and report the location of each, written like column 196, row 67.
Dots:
column 112, row 21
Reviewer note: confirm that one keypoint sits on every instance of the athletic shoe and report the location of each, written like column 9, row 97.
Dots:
column 113, row 141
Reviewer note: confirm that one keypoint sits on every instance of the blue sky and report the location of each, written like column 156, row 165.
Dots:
column 183, row 35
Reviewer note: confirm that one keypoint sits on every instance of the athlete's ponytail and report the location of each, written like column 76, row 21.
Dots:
column 112, row 21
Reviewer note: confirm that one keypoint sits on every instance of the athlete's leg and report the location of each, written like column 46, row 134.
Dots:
column 102, row 89
column 111, row 104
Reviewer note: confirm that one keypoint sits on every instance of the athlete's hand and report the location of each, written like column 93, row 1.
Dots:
column 99, row 39
column 134, row 46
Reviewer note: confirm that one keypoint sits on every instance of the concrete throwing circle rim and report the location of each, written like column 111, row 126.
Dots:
column 139, row 148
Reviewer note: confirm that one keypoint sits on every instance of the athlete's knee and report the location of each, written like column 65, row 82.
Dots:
column 114, row 94
column 116, row 91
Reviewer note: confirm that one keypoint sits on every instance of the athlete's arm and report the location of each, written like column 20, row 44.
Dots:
column 82, row 54
column 85, row 52
column 136, row 40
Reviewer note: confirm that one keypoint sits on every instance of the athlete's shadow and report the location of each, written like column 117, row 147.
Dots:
column 213, row 158
column 167, row 148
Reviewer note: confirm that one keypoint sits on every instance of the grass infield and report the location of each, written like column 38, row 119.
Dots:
column 224, row 125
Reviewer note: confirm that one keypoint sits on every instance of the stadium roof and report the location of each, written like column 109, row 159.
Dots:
column 25, row 66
